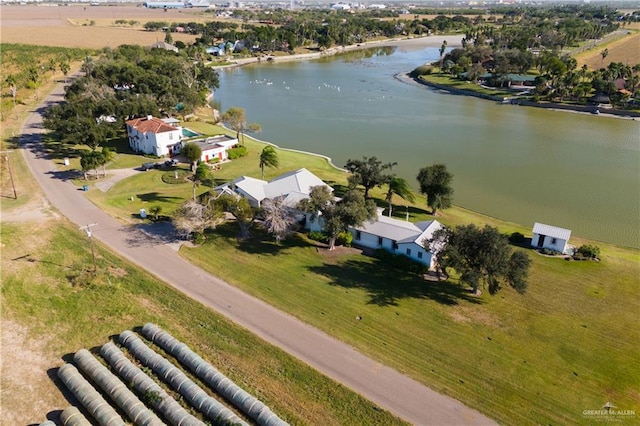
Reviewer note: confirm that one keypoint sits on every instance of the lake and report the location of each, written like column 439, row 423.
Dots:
column 515, row 163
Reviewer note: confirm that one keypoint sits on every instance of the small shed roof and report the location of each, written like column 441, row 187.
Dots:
column 215, row 142
column 551, row 231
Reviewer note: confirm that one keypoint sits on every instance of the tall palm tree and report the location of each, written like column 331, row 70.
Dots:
column 268, row 158
column 399, row 187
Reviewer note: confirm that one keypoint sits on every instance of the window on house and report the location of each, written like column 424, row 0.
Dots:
column 419, row 255
column 146, row 136
column 395, row 245
column 554, row 240
column 170, row 136
column 379, row 241
column 358, row 235
column 408, row 252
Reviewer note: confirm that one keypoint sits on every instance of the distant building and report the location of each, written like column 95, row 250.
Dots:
column 164, row 5
column 165, row 46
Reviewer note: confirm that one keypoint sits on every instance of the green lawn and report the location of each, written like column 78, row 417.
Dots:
column 567, row 345
column 539, row 358
column 148, row 189
column 67, row 307
column 450, row 81
column 145, row 190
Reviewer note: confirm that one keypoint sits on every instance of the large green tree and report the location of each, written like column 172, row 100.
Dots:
column 337, row 215
column 193, row 153
column 90, row 160
column 368, row 172
column 202, row 173
column 435, row 183
column 268, row 158
column 236, row 119
column 241, row 210
column 482, row 257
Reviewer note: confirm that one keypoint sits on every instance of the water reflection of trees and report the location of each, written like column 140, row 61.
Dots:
column 357, row 55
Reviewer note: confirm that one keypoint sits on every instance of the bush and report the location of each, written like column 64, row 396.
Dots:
column 170, row 177
column 588, row 251
column 517, row 238
column 318, row 236
column 549, row 252
column 198, row 238
column 421, row 70
column 344, row 239
column 238, row 152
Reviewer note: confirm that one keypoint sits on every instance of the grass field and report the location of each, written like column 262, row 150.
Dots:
column 67, row 309
column 567, row 345
column 512, row 357
column 464, row 85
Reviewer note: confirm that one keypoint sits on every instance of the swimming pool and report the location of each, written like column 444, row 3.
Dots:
column 189, row 133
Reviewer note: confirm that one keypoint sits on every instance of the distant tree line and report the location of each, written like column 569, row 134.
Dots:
column 130, row 81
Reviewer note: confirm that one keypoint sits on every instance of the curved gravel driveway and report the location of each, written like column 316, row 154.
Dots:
column 382, row 385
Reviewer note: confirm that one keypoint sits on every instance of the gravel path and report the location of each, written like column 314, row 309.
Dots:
column 382, row 385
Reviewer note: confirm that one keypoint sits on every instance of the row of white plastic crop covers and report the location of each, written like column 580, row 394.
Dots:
column 156, row 400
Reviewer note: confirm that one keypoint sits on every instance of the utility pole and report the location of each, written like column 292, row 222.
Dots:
column 13, row 185
column 87, row 229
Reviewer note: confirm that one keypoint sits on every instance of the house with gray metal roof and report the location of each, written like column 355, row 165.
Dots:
column 398, row 237
column 550, row 237
column 294, row 186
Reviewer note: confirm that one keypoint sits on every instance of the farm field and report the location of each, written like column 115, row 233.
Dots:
column 625, row 50
column 92, row 27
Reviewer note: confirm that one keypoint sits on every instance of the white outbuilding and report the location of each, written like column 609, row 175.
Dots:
column 550, row 237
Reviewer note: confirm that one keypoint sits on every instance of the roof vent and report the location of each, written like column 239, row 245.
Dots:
column 149, row 117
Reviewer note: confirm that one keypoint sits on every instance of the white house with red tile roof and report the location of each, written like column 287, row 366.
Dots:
column 153, row 136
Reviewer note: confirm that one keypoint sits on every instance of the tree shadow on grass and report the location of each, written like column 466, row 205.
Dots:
column 260, row 241
column 386, row 285
column 156, row 196
column 151, row 234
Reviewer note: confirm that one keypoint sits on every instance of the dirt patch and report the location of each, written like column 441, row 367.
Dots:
column 37, row 209
column 114, row 176
column 466, row 314
column 626, row 50
column 88, row 27
column 28, row 393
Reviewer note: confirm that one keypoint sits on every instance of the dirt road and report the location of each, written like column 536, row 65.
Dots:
column 382, row 385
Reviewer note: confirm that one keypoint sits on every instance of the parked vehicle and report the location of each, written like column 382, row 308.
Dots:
column 170, row 163
column 149, row 166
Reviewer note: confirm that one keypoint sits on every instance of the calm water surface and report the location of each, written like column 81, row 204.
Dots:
column 520, row 164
